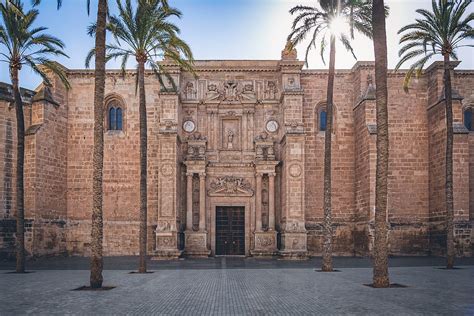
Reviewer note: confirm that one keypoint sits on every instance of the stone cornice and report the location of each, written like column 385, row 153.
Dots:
column 440, row 64
column 204, row 66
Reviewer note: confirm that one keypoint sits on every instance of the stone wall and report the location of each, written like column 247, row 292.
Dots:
column 121, row 164
column 7, row 176
column 60, row 142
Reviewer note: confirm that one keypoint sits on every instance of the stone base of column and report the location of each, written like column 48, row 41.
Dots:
column 166, row 246
column 265, row 244
column 195, row 244
column 293, row 246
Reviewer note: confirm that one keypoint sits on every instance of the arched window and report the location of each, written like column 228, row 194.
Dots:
column 322, row 120
column 114, row 116
column 112, row 119
column 468, row 119
column 119, row 119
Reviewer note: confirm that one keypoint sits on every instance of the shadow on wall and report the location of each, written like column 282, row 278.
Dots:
column 7, row 223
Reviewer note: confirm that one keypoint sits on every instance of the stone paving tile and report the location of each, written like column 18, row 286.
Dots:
column 131, row 262
column 293, row 291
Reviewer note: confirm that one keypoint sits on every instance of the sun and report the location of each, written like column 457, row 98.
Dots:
column 338, row 25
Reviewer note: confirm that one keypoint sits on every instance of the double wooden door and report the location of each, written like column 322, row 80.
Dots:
column 230, row 230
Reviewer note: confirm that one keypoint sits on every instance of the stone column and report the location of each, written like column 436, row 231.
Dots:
column 202, row 201
column 258, row 202
column 189, row 204
column 271, row 201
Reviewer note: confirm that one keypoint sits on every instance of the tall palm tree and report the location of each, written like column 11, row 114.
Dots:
column 439, row 32
column 146, row 34
column 320, row 23
column 23, row 44
column 97, row 235
column 380, row 274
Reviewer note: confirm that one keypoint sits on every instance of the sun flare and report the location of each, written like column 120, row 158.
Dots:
column 338, row 25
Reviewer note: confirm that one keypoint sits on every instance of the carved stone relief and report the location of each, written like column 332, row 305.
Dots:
column 295, row 170
column 165, row 226
column 230, row 91
column 195, row 240
column 197, row 145
column 271, row 91
column 230, row 185
column 190, row 92
column 264, row 147
column 265, row 241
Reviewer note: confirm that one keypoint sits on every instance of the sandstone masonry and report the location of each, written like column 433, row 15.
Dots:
column 235, row 162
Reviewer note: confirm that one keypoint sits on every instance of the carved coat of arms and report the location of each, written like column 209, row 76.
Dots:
column 230, row 185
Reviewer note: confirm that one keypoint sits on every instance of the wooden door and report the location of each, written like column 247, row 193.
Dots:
column 230, row 230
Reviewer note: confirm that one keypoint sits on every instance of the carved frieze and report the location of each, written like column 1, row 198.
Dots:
column 228, row 91
column 230, row 185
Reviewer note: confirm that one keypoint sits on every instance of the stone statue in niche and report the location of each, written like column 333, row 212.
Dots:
column 190, row 92
column 230, row 139
column 271, row 91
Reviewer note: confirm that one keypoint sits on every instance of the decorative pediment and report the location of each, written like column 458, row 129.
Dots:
column 230, row 185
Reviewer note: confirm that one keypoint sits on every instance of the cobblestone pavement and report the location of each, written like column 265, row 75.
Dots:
column 237, row 291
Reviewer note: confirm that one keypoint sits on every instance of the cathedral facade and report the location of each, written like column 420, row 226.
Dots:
column 235, row 162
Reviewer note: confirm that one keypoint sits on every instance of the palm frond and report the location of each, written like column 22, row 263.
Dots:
column 442, row 29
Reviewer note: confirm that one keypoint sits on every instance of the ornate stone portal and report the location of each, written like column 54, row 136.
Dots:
column 242, row 146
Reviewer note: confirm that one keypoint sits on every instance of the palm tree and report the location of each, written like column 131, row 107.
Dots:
column 145, row 34
column 321, row 23
column 23, row 44
column 97, row 235
column 380, row 277
column 439, row 32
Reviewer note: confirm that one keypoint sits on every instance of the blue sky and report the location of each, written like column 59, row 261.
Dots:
column 223, row 29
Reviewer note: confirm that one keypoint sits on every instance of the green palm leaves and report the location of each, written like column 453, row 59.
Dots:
column 146, row 34
column 439, row 32
column 23, row 44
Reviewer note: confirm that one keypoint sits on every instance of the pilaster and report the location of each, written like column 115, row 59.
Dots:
column 196, row 241
column 294, row 234
column 167, row 233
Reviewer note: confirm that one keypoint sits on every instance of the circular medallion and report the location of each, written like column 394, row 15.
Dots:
column 272, row 126
column 295, row 170
column 189, row 126
column 167, row 169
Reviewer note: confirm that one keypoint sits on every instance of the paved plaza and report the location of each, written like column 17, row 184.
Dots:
column 237, row 286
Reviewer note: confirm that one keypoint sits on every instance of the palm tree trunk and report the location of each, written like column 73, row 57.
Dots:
column 20, row 197
column 327, row 245
column 97, row 260
column 380, row 273
column 143, row 166
column 449, row 166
